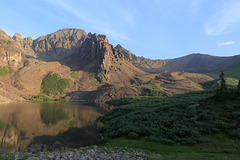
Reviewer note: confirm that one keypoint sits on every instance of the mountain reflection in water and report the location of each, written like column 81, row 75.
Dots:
column 69, row 124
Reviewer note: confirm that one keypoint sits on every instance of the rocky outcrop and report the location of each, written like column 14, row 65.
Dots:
column 54, row 46
column 140, row 62
column 3, row 35
column 59, row 44
column 17, row 37
column 10, row 50
column 98, row 56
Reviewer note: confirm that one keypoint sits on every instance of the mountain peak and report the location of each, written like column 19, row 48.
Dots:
column 17, row 37
column 69, row 31
column 119, row 47
column 59, row 44
column 3, row 35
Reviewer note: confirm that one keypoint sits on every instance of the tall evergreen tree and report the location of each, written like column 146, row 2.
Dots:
column 222, row 86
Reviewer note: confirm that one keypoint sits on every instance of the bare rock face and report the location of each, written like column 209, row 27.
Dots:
column 54, row 46
column 11, row 51
column 3, row 35
column 94, row 47
column 27, row 46
column 59, row 44
column 98, row 56
column 17, row 37
column 140, row 62
column 97, row 47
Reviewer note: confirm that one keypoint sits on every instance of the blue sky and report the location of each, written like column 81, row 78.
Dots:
column 156, row 29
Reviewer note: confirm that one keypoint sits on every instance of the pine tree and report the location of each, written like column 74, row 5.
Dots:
column 218, row 91
column 222, row 86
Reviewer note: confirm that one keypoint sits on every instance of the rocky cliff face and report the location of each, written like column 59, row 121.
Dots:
column 140, row 62
column 54, row 46
column 59, row 44
column 4, row 36
column 92, row 56
column 10, row 50
column 96, row 55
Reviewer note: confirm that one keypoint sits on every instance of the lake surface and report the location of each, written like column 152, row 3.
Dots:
column 48, row 126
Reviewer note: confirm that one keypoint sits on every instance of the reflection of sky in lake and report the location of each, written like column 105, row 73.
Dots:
column 21, row 122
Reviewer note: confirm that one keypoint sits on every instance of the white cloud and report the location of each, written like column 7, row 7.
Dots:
column 224, row 20
column 92, row 20
column 225, row 43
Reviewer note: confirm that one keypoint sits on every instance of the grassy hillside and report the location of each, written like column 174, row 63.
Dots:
column 231, row 68
column 194, row 124
column 231, row 83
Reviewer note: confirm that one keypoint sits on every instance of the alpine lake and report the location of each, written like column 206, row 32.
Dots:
column 34, row 127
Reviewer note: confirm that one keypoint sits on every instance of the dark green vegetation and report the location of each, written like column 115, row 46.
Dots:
column 222, row 86
column 155, row 92
column 219, row 147
column 230, row 67
column 177, row 119
column 127, row 100
column 42, row 98
column 230, row 82
column 226, row 92
column 233, row 69
column 52, row 84
column 52, row 114
column 195, row 125
column 4, row 71
column 238, row 87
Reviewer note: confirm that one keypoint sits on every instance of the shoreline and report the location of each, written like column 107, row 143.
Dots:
column 92, row 152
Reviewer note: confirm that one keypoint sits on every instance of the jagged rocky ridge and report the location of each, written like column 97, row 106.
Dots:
column 92, row 56
column 104, row 71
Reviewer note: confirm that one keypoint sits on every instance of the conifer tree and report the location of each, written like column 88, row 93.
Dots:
column 222, row 86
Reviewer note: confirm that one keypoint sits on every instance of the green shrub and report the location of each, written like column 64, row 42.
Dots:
column 140, row 80
column 42, row 98
column 170, row 120
column 133, row 135
column 73, row 123
column 5, row 71
column 235, row 133
column 74, row 74
column 154, row 91
column 53, row 84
